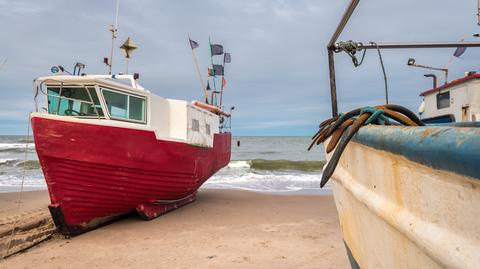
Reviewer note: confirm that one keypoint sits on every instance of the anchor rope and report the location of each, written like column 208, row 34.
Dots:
column 20, row 194
column 352, row 121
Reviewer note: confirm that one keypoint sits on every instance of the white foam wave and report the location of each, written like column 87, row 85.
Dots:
column 7, row 146
column 266, row 182
column 5, row 160
column 238, row 164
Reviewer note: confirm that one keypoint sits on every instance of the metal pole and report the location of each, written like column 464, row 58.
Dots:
column 331, row 45
column 223, row 78
column 199, row 75
column 213, row 77
column 426, row 45
column 343, row 22
column 445, row 70
column 478, row 12
column 114, row 35
column 346, row 16
column 333, row 86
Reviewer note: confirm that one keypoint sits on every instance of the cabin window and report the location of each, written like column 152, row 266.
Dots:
column 443, row 100
column 74, row 101
column 195, row 125
column 124, row 106
column 207, row 129
column 136, row 108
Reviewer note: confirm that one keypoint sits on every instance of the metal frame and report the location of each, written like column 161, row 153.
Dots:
column 332, row 46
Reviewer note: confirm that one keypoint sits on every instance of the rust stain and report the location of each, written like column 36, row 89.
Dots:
column 397, row 179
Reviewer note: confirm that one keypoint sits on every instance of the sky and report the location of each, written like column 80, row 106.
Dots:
column 278, row 78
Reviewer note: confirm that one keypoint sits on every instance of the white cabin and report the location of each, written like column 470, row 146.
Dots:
column 456, row 101
column 118, row 100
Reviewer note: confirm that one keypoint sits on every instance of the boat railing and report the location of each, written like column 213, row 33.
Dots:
column 39, row 88
column 226, row 125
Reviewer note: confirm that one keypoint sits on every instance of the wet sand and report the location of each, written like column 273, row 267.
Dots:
column 222, row 229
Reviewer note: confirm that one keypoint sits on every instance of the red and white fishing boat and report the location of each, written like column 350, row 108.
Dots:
column 108, row 147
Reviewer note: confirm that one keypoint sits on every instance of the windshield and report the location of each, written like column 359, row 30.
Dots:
column 73, row 101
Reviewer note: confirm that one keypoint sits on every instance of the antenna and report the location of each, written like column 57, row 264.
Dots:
column 113, row 29
column 478, row 12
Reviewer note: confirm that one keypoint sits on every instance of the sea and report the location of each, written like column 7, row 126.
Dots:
column 280, row 165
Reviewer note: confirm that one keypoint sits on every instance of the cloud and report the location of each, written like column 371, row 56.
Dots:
column 278, row 78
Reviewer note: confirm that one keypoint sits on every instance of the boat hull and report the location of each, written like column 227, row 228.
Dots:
column 96, row 173
column 407, row 197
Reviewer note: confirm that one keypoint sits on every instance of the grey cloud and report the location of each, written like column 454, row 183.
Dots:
column 279, row 68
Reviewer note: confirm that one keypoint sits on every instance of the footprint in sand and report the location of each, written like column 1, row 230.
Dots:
column 242, row 259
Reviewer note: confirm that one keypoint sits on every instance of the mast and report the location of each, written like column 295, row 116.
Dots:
column 197, row 69
column 113, row 29
column 478, row 12
column 214, row 96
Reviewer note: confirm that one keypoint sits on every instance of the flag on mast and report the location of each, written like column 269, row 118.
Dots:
column 193, row 44
column 216, row 70
column 216, row 49
column 459, row 51
column 227, row 58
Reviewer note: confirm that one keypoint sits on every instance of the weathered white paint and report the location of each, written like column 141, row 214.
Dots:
column 395, row 213
column 205, row 119
column 464, row 102
column 169, row 119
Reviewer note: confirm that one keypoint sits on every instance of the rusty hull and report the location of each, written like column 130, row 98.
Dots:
column 400, row 208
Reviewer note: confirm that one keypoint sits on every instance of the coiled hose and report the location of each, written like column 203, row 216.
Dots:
column 352, row 121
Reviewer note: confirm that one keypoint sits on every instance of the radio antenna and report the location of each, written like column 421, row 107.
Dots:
column 478, row 12
column 113, row 29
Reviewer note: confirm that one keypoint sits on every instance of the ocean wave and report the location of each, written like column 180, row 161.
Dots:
column 23, row 140
column 8, row 162
column 238, row 164
column 278, row 165
column 28, row 165
column 15, row 147
column 268, row 181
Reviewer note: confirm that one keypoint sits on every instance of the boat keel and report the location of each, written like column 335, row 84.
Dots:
column 76, row 229
column 146, row 211
column 155, row 209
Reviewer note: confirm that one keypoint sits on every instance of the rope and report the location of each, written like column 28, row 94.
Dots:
column 383, row 70
column 352, row 121
column 20, row 194
column 351, row 48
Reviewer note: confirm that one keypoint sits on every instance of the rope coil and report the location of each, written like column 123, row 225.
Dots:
column 352, row 121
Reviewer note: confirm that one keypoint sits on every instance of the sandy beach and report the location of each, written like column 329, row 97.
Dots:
column 222, row 229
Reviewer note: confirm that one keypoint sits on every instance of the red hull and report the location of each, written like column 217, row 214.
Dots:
column 95, row 173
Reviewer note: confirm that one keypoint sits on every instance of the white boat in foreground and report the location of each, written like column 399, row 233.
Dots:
column 407, row 194
column 407, row 197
